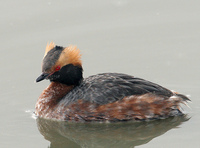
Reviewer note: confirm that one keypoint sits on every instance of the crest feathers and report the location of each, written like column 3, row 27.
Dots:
column 71, row 55
column 49, row 47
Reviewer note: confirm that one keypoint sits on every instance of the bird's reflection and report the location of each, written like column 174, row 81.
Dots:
column 126, row 134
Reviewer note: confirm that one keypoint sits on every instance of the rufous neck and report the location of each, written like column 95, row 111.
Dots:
column 56, row 91
column 50, row 97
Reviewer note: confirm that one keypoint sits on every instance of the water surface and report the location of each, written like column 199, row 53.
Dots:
column 154, row 40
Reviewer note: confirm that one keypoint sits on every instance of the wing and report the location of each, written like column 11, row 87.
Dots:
column 110, row 87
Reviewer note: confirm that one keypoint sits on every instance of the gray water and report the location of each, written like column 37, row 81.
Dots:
column 155, row 40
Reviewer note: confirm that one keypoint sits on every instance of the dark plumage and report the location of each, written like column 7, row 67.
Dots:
column 51, row 58
column 110, row 87
column 102, row 97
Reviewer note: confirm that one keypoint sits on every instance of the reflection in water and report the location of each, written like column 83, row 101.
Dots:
column 124, row 134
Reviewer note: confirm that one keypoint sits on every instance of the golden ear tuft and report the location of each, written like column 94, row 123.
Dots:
column 74, row 55
column 70, row 55
column 49, row 47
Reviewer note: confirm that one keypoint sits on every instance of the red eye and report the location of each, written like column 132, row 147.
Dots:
column 57, row 68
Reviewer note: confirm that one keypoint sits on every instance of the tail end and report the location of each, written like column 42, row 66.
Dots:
column 183, row 97
column 179, row 99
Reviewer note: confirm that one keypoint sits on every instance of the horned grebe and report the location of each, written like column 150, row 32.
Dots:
column 101, row 97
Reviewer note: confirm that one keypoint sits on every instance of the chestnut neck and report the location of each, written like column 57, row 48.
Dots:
column 56, row 91
column 50, row 97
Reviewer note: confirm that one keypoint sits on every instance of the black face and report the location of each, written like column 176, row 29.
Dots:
column 69, row 75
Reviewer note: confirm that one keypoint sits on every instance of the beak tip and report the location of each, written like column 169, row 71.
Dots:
column 41, row 77
column 37, row 80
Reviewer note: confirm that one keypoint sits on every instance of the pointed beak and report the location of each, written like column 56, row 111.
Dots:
column 42, row 77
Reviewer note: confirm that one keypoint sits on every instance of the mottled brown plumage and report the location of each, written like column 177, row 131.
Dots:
column 102, row 97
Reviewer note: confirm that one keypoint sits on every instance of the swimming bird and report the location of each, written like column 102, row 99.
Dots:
column 102, row 97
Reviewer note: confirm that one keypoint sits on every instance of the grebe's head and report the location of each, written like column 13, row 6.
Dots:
column 62, row 65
